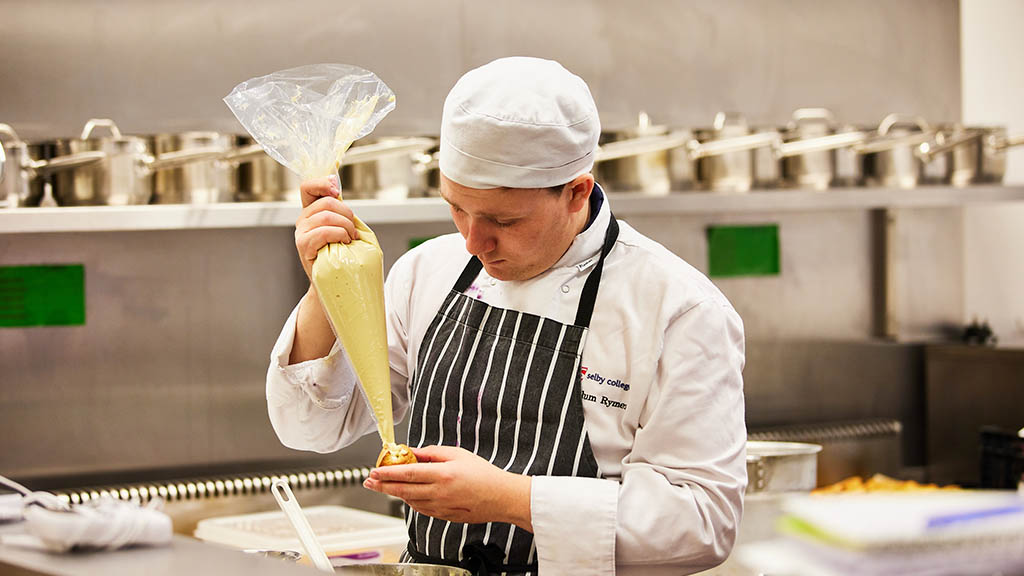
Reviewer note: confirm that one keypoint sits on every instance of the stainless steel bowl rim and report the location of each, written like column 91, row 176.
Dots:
column 764, row 449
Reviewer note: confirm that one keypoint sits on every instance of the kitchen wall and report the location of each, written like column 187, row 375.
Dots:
column 993, row 93
column 158, row 65
column 169, row 369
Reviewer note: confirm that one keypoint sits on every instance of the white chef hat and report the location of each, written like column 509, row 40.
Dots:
column 518, row 123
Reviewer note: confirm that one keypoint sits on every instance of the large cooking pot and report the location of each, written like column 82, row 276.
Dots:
column 111, row 169
column 892, row 156
column 255, row 176
column 629, row 165
column 817, row 152
column 386, row 168
column 726, row 154
column 782, row 466
column 19, row 183
column 970, row 155
column 203, row 181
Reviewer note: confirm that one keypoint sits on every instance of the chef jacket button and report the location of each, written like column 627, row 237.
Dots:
column 493, row 281
column 565, row 288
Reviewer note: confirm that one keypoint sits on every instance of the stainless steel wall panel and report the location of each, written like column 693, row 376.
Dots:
column 158, row 65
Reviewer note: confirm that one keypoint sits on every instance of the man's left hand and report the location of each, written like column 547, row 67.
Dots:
column 456, row 485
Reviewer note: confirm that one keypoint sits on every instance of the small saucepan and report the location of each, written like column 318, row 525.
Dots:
column 970, row 155
column 812, row 151
column 19, row 160
column 891, row 155
column 726, row 154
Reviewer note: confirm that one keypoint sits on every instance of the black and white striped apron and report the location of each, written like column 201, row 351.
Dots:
column 504, row 385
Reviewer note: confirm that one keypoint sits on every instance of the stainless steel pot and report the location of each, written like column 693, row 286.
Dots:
column 386, row 168
column 203, row 181
column 643, row 169
column 892, row 154
column 970, row 155
column 256, row 177
column 726, row 153
column 19, row 184
column 817, row 153
column 782, row 466
column 112, row 169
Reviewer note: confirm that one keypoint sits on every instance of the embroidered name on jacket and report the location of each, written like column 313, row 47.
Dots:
column 603, row 400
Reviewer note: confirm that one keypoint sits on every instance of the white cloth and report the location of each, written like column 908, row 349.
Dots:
column 492, row 110
column 663, row 400
column 104, row 524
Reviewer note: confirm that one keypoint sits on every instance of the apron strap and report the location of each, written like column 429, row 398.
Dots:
column 589, row 295
column 469, row 273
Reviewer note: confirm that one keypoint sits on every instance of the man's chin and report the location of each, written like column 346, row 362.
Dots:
column 498, row 270
column 501, row 270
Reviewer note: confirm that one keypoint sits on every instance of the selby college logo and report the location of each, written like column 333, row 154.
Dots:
column 585, row 374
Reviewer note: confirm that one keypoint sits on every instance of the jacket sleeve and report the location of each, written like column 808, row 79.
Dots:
column 318, row 405
column 678, row 503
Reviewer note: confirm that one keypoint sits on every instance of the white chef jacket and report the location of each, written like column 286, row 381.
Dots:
column 662, row 399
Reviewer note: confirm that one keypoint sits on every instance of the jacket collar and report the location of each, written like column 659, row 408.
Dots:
column 586, row 247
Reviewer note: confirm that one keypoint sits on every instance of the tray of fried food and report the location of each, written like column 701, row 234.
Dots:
column 880, row 483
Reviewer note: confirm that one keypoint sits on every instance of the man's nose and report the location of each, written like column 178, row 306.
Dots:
column 479, row 239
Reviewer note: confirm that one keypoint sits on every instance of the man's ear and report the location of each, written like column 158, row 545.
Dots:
column 579, row 192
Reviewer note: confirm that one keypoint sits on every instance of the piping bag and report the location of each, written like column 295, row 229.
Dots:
column 306, row 118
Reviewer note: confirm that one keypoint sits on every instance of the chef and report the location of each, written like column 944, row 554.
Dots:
column 573, row 389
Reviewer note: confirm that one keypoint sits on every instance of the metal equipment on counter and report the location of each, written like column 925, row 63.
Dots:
column 849, row 448
column 781, row 466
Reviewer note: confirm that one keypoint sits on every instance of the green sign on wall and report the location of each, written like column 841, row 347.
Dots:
column 743, row 250
column 42, row 295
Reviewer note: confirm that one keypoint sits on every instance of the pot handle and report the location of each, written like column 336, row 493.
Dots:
column 94, row 123
column 723, row 119
column 821, row 143
column 242, row 155
column 883, row 142
column 926, row 151
column 805, row 114
column 1009, row 142
column 896, row 118
column 180, row 158
column 396, row 147
column 699, row 150
column 6, row 130
column 61, row 163
column 642, row 145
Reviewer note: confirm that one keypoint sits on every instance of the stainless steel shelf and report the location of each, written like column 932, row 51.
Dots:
column 261, row 214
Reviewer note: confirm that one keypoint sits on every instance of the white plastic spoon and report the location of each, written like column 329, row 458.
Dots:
column 286, row 500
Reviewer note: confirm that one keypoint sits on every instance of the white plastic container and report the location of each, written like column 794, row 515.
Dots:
column 347, row 535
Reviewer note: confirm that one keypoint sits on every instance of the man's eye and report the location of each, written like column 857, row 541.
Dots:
column 504, row 223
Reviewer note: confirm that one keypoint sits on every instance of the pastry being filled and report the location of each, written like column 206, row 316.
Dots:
column 392, row 454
